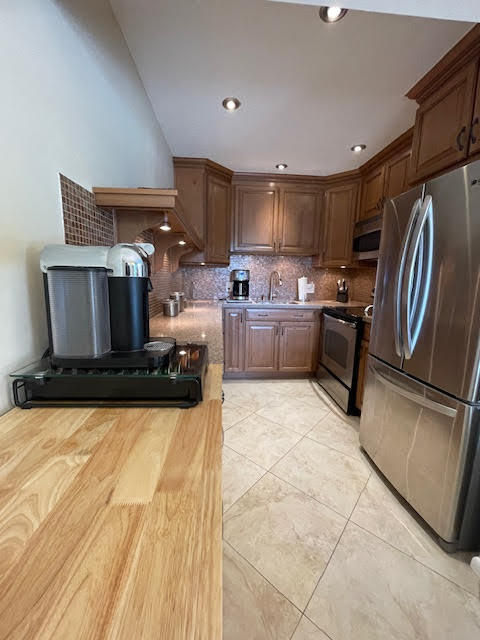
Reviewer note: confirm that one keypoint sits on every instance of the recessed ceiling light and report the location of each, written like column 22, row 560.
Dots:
column 182, row 352
column 231, row 104
column 281, row 166
column 332, row 14
column 165, row 226
column 202, row 263
column 182, row 242
column 344, row 266
column 358, row 147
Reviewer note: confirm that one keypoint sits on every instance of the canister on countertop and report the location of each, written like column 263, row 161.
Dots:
column 180, row 297
column 170, row 307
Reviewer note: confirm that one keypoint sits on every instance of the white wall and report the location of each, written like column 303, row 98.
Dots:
column 71, row 101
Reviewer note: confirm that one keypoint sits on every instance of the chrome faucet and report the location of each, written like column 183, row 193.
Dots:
column 274, row 276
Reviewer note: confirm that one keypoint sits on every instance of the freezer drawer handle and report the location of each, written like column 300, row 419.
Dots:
column 414, row 397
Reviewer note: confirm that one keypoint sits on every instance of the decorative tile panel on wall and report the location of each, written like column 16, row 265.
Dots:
column 208, row 283
column 87, row 224
column 84, row 223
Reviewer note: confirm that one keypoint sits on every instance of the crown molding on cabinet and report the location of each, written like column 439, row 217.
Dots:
column 402, row 143
column 203, row 163
column 466, row 50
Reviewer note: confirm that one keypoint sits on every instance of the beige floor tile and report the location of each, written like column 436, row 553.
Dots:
column 285, row 534
column 252, row 395
column 371, row 591
column 325, row 474
column 238, row 475
column 337, row 433
column 379, row 511
column 261, row 440
column 233, row 413
column 252, row 608
column 306, row 630
column 294, row 414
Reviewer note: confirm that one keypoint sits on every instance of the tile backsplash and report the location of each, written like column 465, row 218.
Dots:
column 208, row 283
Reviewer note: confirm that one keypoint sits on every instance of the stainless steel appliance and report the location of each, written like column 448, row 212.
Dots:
column 366, row 238
column 240, row 284
column 338, row 367
column 421, row 410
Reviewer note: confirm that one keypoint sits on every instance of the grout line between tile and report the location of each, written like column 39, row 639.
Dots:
column 333, row 551
column 266, row 579
column 319, row 628
column 392, row 546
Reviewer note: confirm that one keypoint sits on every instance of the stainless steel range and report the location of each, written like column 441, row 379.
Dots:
column 338, row 366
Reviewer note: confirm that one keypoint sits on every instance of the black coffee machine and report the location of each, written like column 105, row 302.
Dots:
column 240, row 282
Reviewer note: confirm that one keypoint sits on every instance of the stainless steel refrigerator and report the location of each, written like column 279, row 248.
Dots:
column 420, row 420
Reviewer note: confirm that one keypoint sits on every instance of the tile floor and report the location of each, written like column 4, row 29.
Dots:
column 316, row 547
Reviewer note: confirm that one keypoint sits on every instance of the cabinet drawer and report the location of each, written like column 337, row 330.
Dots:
column 280, row 315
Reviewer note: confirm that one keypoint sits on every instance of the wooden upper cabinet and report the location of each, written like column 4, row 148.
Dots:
column 255, row 212
column 396, row 175
column 298, row 222
column 204, row 189
column 338, row 221
column 218, row 220
column 442, row 124
column 372, row 193
column 475, row 126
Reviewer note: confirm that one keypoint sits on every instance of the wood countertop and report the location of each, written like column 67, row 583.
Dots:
column 111, row 522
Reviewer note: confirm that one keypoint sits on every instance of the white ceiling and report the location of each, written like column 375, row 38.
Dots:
column 468, row 10
column 309, row 90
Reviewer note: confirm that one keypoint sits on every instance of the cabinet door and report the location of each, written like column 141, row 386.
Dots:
column 475, row 126
column 218, row 220
column 233, row 340
column 261, row 343
column 254, row 219
column 297, row 346
column 298, row 222
column 442, row 125
column 338, row 222
column 372, row 193
column 396, row 175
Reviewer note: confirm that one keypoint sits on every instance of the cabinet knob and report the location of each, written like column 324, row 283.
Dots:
column 473, row 137
column 460, row 143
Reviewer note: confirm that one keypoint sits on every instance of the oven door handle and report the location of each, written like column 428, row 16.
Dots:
column 345, row 322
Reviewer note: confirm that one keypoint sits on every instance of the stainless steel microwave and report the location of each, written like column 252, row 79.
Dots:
column 366, row 238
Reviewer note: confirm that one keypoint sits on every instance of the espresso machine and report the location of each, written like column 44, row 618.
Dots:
column 240, row 283
column 100, row 351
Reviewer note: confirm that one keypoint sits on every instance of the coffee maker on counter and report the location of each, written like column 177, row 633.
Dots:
column 100, row 351
column 96, row 300
column 240, row 285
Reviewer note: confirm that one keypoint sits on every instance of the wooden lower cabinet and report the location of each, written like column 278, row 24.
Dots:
column 261, row 346
column 233, row 340
column 362, row 366
column 297, row 346
column 269, row 346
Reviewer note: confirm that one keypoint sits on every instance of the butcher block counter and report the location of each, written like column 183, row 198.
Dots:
column 111, row 522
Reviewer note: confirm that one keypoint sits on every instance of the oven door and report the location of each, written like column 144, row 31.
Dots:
column 338, row 347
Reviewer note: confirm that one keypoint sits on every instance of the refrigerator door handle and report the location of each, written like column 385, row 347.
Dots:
column 400, row 303
column 414, row 397
column 417, row 278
